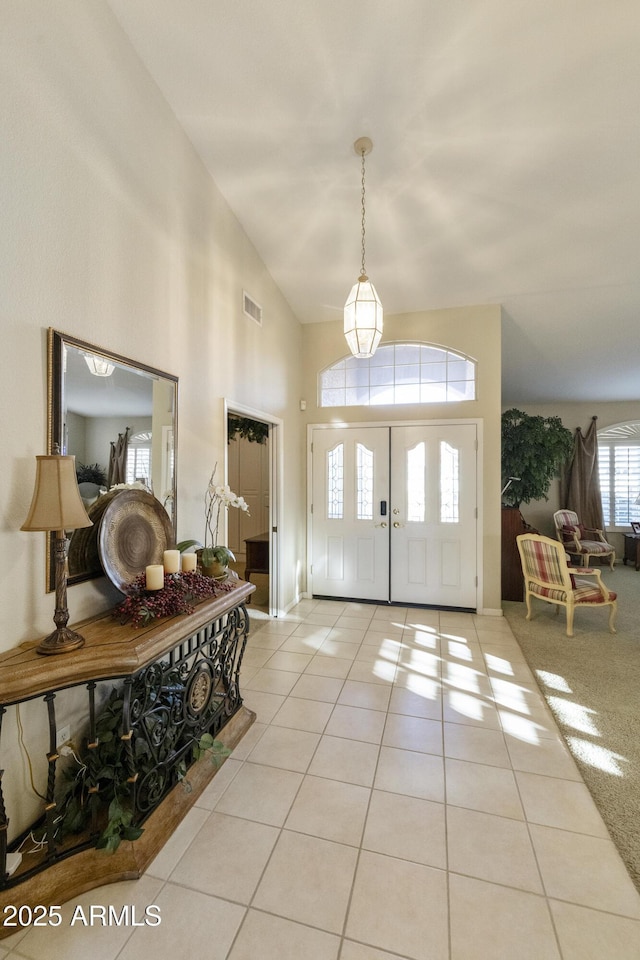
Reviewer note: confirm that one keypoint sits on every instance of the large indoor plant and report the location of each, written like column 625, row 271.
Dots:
column 534, row 449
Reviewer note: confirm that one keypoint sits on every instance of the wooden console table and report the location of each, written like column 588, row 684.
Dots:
column 180, row 679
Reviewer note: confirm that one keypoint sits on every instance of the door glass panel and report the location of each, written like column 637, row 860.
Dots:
column 416, row 483
column 335, row 483
column 449, row 483
column 364, row 474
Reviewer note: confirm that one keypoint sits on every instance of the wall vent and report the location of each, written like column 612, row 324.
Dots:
column 251, row 308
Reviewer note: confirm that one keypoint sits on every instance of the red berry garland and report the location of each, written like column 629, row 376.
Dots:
column 180, row 593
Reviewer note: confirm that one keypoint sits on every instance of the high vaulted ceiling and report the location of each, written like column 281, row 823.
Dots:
column 505, row 166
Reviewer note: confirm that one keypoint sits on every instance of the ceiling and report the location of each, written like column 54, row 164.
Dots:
column 126, row 392
column 504, row 167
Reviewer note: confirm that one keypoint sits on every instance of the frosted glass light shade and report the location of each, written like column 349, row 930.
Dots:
column 99, row 366
column 363, row 319
column 56, row 503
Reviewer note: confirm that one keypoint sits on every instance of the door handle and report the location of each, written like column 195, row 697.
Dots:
column 383, row 524
column 396, row 523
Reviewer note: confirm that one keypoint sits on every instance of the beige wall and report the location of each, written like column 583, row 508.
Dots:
column 113, row 232
column 474, row 331
column 539, row 513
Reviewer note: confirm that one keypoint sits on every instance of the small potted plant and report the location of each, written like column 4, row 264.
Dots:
column 214, row 557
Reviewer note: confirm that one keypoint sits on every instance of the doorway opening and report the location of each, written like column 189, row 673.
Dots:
column 252, row 473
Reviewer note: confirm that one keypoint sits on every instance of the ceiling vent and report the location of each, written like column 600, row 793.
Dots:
column 251, row 308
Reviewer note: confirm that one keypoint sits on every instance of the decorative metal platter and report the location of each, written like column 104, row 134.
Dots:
column 135, row 530
column 83, row 556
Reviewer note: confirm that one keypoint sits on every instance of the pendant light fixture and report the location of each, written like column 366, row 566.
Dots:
column 363, row 310
column 98, row 365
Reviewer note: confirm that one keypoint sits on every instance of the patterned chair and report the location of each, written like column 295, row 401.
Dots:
column 581, row 541
column 548, row 576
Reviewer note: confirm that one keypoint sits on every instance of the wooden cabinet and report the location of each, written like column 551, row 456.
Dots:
column 257, row 555
column 632, row 549
column 513, row 525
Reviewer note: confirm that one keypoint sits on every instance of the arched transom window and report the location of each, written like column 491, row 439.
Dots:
column 399, row 373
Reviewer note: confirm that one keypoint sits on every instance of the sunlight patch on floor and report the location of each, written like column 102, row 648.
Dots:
column 499, row 664
column 384, row 670
column 511, row 694
column 473, row 708
column 424, row 639
column 420, row 661
column 464, row 678
column 425, row 687
column 598, row 757
column 456, row 648
column 554, row 681
column 574, row 715
column 520, row 727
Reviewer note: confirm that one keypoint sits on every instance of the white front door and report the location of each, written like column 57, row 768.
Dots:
column 433, row 515
column 350, row 534
column 394, row 513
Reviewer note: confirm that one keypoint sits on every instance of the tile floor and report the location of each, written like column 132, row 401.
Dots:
column 403, row 795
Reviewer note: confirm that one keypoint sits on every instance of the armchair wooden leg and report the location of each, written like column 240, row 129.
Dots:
column 528, row 602
column 570, row 611
column 612, row 617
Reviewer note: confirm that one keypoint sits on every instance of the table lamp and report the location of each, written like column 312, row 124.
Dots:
column 56, row 507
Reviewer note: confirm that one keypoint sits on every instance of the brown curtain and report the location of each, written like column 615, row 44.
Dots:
column 118, row 459
column 582, row 481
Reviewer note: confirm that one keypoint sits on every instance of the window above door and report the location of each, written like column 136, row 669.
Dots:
column 399, row 373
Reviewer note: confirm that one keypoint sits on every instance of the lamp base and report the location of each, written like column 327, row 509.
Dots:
column 62, row 640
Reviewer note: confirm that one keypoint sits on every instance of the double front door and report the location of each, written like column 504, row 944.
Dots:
column 394, row 514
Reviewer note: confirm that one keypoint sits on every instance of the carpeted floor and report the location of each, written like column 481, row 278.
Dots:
column 591, row 682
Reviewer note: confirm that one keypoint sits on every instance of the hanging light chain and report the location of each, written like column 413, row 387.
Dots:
column 363, row 212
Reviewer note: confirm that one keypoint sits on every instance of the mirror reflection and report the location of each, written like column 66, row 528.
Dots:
column 119, row 420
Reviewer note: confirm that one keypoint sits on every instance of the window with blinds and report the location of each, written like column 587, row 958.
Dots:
column 619, row 471
column 139, row 459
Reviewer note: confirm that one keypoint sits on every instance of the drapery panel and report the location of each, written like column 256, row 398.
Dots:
column 581, row 487
column 118, row 459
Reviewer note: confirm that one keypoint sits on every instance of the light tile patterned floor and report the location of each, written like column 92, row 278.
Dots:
column 403, row 795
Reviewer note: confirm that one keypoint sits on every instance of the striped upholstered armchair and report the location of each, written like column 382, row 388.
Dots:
column 581, row 541
column 548, row 576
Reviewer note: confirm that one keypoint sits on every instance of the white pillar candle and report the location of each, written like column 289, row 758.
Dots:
column 154, row 576
column 189, row 561
column 171, row 561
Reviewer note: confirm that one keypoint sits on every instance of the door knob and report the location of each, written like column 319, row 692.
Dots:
column 397, row 524
column 383, row 524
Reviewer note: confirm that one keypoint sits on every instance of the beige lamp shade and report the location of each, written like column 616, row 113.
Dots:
column 56, row 504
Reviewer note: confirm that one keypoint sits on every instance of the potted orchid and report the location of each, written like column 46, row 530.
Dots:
column 218, row 497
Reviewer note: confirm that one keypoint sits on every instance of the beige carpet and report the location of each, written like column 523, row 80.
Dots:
column 591, row 682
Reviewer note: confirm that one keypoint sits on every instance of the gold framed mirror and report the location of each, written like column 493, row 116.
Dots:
column 119, row 418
